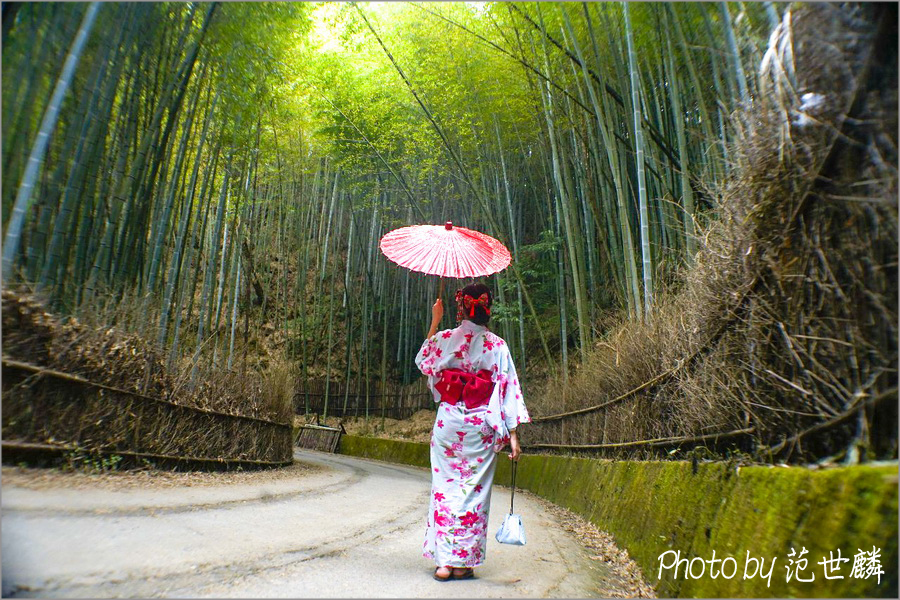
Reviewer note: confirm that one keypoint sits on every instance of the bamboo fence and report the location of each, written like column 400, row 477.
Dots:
column 45, row 410
column 377, row 399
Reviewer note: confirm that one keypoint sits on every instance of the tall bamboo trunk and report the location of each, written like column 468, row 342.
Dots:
column 211, row 264
column 639, row 147
column 48, row 124
column 606, row 125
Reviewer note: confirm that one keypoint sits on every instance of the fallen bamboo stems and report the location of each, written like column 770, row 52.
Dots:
column 654, row 442
column 837, row 420
column 617, row 399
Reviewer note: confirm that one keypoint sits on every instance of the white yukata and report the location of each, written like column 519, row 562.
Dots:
column 465, row 442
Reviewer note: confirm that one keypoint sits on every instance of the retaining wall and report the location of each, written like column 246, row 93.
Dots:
column 652, row 508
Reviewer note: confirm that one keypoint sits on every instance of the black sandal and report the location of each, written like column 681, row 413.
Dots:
column 442, row 579
column 467, row 573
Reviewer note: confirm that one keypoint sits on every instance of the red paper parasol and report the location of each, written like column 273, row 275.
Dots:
column 445, row 250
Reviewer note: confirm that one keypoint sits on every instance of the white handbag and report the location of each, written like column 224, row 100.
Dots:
column 512, row 531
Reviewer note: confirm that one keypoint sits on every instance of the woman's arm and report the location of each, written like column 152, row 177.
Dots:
column 437, row 313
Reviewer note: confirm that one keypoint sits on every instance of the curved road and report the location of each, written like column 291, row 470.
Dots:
column 351, row 529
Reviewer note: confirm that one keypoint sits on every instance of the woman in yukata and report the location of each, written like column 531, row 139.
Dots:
column 471, row 374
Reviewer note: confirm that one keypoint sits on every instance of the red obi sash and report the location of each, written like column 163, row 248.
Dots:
column 474, row 389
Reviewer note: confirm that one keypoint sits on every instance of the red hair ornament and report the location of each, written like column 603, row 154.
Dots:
column 468, row 303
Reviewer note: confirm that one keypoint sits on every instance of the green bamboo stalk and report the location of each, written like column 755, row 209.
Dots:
column 734, row 55
column 563, row 201
column 90, row 128
column 48, row 124
column 699, row 97
column 606, row 125
column 162, row 224
column 639, row 146
column 211, row 263
column 687, row 194
column 29, row 106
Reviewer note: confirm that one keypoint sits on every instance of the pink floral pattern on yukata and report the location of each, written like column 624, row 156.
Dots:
column 471, row 348
column 464, row 442
column 463, row 462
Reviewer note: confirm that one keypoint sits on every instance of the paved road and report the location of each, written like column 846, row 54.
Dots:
column 351, row 529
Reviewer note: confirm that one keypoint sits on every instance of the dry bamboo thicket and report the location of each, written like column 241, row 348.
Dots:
column 362, row 399
column 109, row 393
column 784, row 337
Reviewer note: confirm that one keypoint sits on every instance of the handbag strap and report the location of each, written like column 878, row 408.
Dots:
column 512, row 496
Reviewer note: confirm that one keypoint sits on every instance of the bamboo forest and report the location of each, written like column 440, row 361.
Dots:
column 699, row 201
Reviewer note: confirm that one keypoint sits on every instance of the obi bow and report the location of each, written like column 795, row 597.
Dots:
column 473, row 389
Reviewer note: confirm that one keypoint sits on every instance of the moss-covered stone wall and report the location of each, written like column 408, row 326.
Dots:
column 406, row 453
column 654, row 508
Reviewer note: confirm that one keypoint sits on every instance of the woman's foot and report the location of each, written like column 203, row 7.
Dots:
column 463, row 573
column 443, row 573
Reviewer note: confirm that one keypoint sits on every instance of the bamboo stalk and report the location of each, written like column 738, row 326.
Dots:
column 23, row 197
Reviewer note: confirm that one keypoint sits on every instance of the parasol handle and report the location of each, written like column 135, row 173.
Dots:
column 441, row 288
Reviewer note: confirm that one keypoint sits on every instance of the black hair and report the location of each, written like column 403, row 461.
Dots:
column 475, row 290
